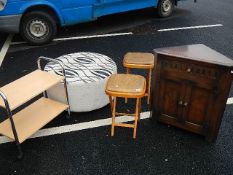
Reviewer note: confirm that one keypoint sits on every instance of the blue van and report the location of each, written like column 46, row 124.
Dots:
column 37, row 20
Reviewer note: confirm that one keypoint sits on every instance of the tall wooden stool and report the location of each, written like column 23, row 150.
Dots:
column 139, row 60
column 125, row 86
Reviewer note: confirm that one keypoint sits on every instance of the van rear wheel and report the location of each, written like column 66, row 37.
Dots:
column 38, row 27
column 165, row 8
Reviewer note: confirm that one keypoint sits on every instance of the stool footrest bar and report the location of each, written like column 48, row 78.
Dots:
column 119, row 113
column 124, row 125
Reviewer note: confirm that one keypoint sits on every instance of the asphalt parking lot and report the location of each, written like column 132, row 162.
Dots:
column 158, row 149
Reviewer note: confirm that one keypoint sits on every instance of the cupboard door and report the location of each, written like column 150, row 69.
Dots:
column 197, row 106
column 170, row 98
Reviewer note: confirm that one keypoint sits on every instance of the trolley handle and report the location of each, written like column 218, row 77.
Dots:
column 51, row 60
column 6, row 102
column 63, row 72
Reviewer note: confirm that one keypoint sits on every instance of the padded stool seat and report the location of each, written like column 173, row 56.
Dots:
column 126, row 85
column 138, row 60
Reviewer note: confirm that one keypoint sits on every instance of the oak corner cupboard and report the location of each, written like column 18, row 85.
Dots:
column 191, row 87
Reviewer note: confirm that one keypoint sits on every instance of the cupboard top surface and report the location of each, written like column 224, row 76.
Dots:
column 196, row 52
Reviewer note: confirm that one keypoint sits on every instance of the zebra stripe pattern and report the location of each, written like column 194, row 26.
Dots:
column 84, row 67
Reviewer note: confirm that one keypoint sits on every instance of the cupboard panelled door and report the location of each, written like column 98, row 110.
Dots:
column 197, row 107
column 171, row 91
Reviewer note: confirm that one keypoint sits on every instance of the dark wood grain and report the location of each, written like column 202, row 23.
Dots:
column 191, row 87
column 198, row 52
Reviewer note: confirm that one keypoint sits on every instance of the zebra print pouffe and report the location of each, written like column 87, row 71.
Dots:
column 87, row 74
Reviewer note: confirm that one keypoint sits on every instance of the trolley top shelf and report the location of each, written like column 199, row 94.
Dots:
column 24, row 89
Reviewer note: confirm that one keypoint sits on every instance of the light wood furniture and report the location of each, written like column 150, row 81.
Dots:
column 191, row 87
column 26, row 122
column 125, row 86
column 140, row 60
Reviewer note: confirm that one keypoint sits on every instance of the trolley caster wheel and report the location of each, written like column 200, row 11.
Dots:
column 20, row 156
column 68, row 116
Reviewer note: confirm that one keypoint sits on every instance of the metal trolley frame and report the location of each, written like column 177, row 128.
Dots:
column 9, row 111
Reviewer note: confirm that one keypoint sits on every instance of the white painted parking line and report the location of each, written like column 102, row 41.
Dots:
column 5, row 48
column 191, row 27
column 85, row 125
column 93, row 36
column 79, row 126
column 82, row 37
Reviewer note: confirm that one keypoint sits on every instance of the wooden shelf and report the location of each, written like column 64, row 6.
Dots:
column 31, row 119
column 28, row 87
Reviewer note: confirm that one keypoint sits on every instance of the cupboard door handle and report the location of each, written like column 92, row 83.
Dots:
column 189, row 70
column 180, row 102
column 185, row 104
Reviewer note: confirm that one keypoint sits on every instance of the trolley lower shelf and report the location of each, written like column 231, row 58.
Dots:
column 29, row 120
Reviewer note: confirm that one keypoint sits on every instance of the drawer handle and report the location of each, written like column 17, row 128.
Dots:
column 189, row 70
column 180, row 102
column 185, row 104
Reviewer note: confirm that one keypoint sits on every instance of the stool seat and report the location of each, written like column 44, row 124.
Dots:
column 138, row 60
column 126, row 85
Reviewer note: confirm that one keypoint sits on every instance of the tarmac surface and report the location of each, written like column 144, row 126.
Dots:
column 158, row 149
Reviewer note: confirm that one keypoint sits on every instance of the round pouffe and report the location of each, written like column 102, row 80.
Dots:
column 86, row 74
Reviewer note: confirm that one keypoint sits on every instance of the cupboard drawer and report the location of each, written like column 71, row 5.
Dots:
column 189, row 71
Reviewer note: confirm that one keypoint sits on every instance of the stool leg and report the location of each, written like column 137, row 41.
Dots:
column 113, row 115
column 127, row 72
column 149, row 86
column 136, row 118
column 140, row 106
column 110, row 101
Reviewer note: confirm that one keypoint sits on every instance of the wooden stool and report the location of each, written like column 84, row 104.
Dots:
column 137, row 60
column 125, row 86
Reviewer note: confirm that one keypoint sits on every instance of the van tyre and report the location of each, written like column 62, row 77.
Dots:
column 165, row 8
column 38, row 27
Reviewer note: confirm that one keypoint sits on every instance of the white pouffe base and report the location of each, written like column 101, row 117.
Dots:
column 83, row 97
